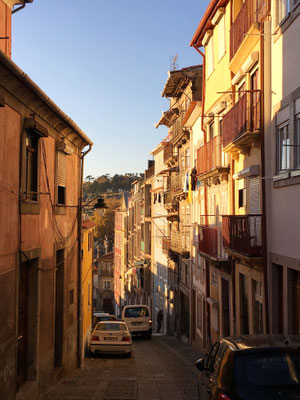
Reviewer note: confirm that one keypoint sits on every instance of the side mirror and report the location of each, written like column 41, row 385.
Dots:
column 200, row 364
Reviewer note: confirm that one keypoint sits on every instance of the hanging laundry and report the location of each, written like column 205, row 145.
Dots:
column 194, row 179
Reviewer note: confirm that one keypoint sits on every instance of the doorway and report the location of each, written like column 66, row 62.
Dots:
column 59, row 308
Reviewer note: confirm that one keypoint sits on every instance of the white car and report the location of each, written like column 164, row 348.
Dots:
column 138, row 319
column 111, row 337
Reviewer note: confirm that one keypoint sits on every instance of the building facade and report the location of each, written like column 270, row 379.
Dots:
column 40, row 267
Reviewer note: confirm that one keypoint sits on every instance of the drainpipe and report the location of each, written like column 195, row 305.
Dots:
column 24, row 2
column 263, row 182
column 79, row 268
column 207, row 280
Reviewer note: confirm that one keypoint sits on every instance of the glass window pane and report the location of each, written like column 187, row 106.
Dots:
column 297, row 142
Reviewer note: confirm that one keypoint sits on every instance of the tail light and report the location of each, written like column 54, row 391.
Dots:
column 94, row 337
column 223, row 396
column 150, row 322
column 125, row 339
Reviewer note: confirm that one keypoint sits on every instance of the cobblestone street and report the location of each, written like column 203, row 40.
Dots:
column 161, row 368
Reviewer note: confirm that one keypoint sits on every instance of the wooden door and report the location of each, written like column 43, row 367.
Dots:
column 22, row 325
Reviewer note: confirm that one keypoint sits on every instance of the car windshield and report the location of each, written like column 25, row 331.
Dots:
column 134, row 312
column 105, row 318
column 270, row 369
column 110, row 327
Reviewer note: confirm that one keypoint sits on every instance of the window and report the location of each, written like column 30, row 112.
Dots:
column 283, row 8
column 287, row 137
column 61, row 177
column 221, row 38
column 284, row 148
column 209, row 57
column 211, row 131
column 294, row 301
column 187, row 158
column 31, row 166
column 107, row 285
column 277, row 298
column 242, row 193
column 31, row 151
column 71, row 297
column 244, row 313
column 257, row 307
column 297, row 141
column 90, row 241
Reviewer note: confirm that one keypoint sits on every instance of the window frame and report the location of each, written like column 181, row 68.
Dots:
column 209, row 57
column 31, row 129
column 221, row 27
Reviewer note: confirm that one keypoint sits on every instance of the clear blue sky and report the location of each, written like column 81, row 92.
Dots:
column 105, row 63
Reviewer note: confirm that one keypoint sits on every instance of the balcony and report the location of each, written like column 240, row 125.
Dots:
column 246, row 22
column 167, row 198
column 242, row 123
column 106, row 272
column 208, row 241
column 170, row 157
column 177, row 183
column 180, row 135
column 242, row 234
column 166, row 244
column 180, row 242
column 149, row 172
column 211, row 161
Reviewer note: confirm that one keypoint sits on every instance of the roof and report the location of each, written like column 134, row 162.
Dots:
column 205, row 22
column 178, row 80
column 166, row 118
column 87, row 224
column 252, row 342
column 60, row 120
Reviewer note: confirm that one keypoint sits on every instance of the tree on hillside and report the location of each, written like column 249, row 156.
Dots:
column 89, row 178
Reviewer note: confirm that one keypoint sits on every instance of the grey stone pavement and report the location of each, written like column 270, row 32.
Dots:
column 159, row 369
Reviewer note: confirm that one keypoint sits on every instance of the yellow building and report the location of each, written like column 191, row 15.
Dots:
column 87, row 245
column 230, row 166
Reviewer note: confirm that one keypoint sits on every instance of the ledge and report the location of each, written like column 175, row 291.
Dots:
column 286, row 179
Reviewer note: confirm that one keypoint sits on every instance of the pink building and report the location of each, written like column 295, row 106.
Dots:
column 41, row 161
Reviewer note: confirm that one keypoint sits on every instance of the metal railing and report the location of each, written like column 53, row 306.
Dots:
column 209, row 156
column 242, row 233
column 252, row 11
column 208, row 240
column 243, row 117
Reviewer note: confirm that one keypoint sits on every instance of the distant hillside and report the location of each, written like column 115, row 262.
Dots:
column 105, row 183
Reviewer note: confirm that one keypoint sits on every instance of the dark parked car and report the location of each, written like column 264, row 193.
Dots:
column 256, row 367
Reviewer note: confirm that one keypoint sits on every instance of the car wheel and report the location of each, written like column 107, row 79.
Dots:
column 148, row 336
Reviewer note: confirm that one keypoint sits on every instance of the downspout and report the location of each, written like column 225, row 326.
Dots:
column 263, row 182
column 79, row 267
column 207, row 289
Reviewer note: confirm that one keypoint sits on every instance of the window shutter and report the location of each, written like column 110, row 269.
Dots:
column 255, row 206
column 61, row 169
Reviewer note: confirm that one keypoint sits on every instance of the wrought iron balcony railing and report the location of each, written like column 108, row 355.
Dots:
column 243, row 234
column 208, row 240
column 243, row 117
column 252, row 11
column 209, row 156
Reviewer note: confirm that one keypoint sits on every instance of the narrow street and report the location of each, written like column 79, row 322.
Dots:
column 161, row 368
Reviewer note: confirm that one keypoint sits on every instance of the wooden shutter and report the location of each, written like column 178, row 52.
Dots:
column 61, row 169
